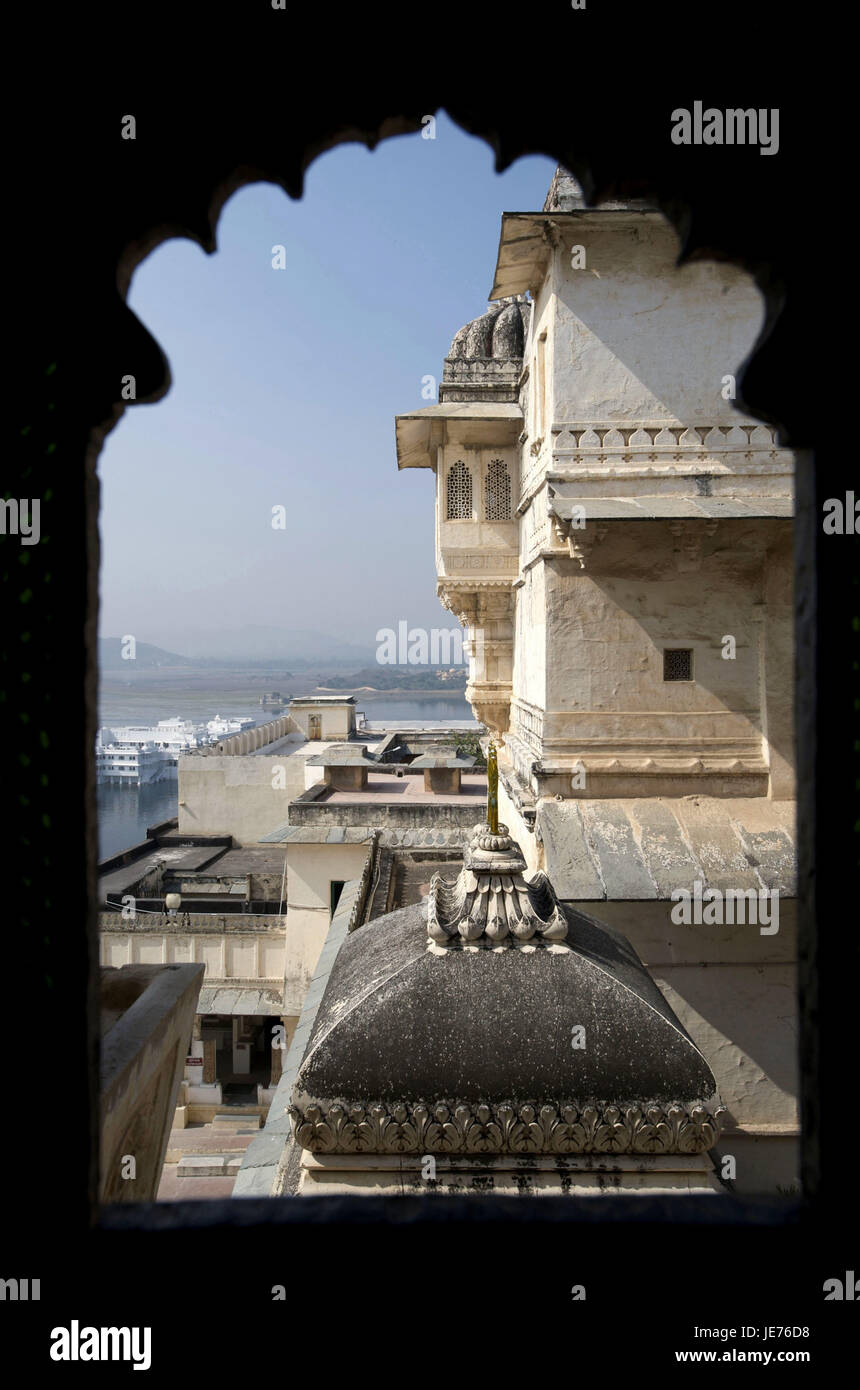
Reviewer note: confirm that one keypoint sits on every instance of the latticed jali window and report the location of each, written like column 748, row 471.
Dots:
column 498, row 499
column 678, row 664
column 459, row 492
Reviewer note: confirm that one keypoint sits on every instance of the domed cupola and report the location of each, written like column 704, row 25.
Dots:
column 507, row 1038
column 485, row 359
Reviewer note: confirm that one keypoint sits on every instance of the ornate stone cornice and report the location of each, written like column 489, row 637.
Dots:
column 476, row 1127
column 660, row 439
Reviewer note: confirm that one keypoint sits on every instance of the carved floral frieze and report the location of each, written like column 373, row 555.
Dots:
column 451, row 1126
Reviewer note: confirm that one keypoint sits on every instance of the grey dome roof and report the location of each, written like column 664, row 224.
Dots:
column 415, row 1048
column 500, row 332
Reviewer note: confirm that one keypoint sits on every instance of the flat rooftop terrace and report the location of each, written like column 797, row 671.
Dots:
column 123, row 878
column 383, row 786
column 246, row 860
column 297, row 746
column 418, row 726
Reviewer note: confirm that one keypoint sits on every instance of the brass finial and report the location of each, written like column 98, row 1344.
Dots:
column 492, row 789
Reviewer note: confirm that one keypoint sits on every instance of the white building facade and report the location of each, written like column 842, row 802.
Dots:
column 616, row 535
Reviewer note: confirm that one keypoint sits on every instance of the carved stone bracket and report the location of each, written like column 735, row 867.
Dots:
column 689, row 536
column 581, row 539
column 453, row 1126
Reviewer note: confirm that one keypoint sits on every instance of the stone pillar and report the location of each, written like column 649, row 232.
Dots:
column 349, row 779
column 442, row 781
column 488, row 615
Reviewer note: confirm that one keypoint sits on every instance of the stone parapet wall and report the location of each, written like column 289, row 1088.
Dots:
column 198, row 922
column 234, row 745
column 150, row 1014
column 388, row 815
column 239, row 796
column 243, row 951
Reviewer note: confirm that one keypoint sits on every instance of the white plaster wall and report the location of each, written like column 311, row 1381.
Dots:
column 744, row 1021
column 271, row 958
column 606, row 633
column 210, row 951
column 734, row 991
column 238, row 952
column 241, row 958
column 542, row 327
column 637, row 337
column 530, row 658
column 235, row 796
column 311, row 869
column 336, row 721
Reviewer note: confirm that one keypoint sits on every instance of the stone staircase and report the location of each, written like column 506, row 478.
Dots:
column 214, row 1150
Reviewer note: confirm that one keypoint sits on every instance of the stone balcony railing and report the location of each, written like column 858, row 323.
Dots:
column 656, row 447
column 241, row 950
column 181, row 923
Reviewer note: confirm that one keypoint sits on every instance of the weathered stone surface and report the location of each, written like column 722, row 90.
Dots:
column 149, row 1018
column 614, row 847
column 767, row 835
column 645, row 847
column 666, row 854
column 717, row 848
column 402, row 1027
column 201, row 1166
column 571, row 864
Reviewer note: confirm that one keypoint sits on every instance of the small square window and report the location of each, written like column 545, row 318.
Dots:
column 678, row 664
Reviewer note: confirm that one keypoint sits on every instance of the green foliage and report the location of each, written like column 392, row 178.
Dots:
column 469, row 746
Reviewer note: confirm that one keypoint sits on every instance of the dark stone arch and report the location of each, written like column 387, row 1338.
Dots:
column 76, row 176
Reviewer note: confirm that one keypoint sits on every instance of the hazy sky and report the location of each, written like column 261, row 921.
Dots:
column 285, row 388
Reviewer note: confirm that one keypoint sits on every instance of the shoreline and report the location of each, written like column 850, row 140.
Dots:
column 372, row 693
column 361, row 692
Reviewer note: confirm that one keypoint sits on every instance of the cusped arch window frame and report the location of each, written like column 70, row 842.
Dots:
column 160, row 220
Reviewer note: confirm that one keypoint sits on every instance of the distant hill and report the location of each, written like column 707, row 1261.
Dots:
column 399, row 678
column 145, row 655
column 294, row 647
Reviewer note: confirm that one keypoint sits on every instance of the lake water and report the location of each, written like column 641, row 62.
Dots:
column 442, row 710
column 126, row 812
